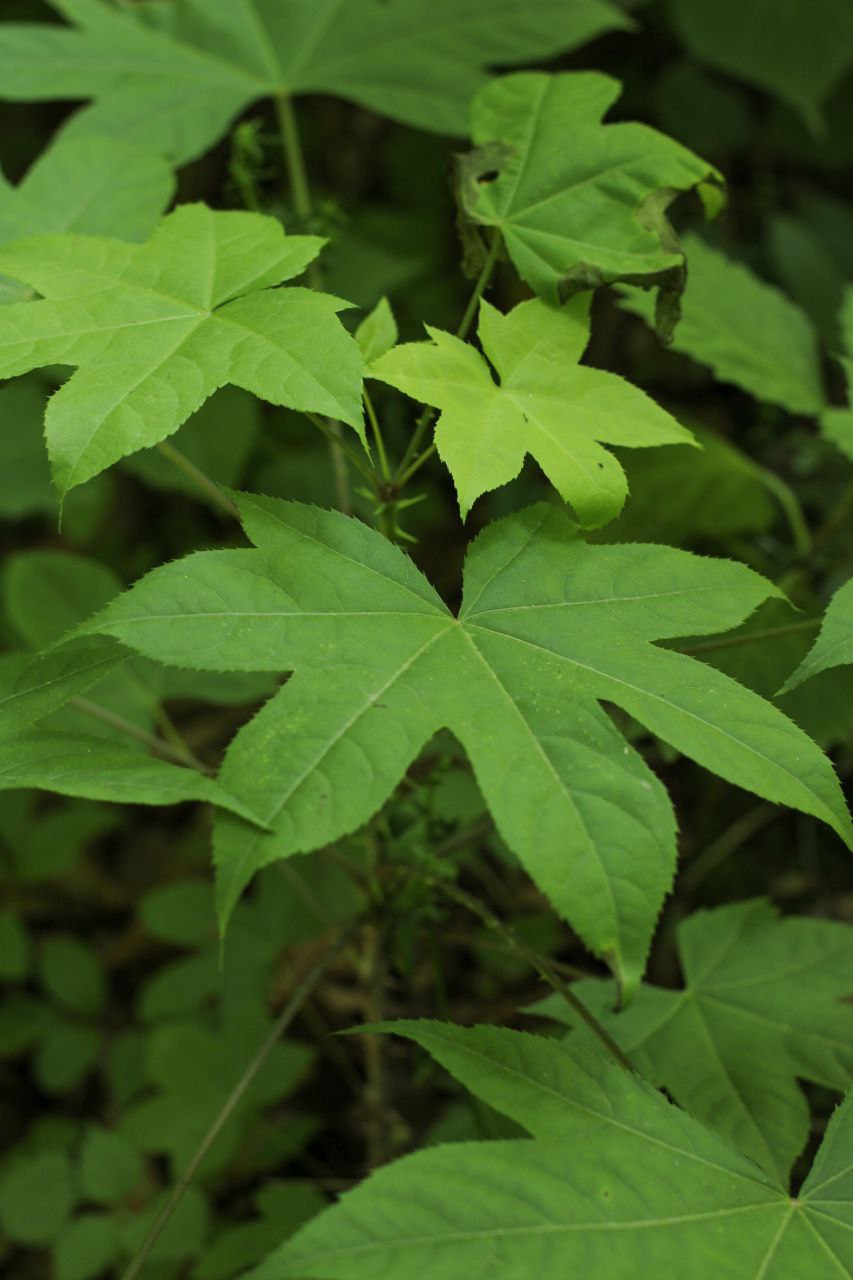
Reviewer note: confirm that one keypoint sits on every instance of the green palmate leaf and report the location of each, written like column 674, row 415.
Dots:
column 45, row 594
column 799, row 52
column 615, row 1182
column 747, row 331
column 546, row 404
column 155, row 329
column 577, row 202
column 32, row 687
column 549, row 625
column 834, row 645
column 27, row 488
column 95, row 186
column 823, row 707
column 179, row 83
column 765, row 1002
column 97, row 769
column 377, row 332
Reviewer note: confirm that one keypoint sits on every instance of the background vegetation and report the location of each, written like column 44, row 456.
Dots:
column 124, row 1028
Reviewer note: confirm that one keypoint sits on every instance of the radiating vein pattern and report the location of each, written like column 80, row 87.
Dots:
column 549, row 627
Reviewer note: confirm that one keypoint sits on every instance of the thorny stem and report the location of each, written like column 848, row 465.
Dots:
column 198, row 477
column 174, row 754
column 301, row 191
column 538, row 962
column 281, row 1024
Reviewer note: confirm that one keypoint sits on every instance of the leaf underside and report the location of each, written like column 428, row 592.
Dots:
column 756, row 988
column 549, row 626
column 613, row 1178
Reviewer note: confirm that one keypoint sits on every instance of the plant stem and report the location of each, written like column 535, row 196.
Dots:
column 377, row 435
column 404, row 470
column 480, row 286
column 297, row 176
column 170, row 730
column 293, row 158
column 281, row 1024
column 416, row 465
column 729, row 642
column 328, row 430
column 538, row 962
column 174, row 754
column 183, row 463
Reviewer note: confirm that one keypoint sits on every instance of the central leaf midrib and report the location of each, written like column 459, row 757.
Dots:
column 307, row 772
column 737, row 1010
column 602, row 1117
column 565, row 790
column 517, row 214
column 259, row 336
column 109, row 659
column 598, row 600
column 123, row 394
column 657, row 697
column 434, row 607
column 539, row 1229
column 118, row 327
column 722, row 1064
column 169, row 51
